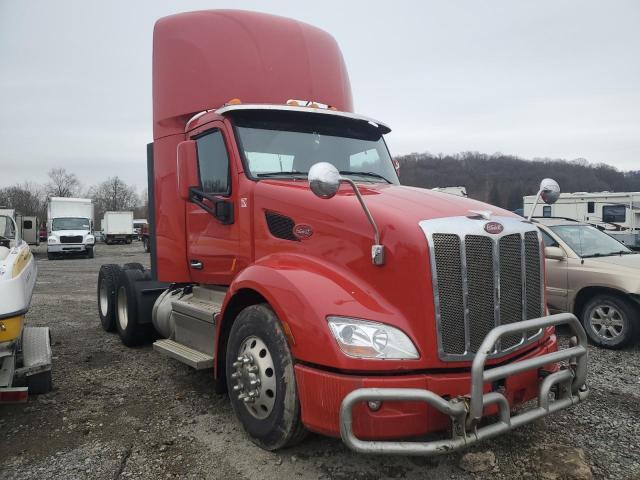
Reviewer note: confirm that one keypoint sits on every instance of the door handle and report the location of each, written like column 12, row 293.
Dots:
column 197, row 264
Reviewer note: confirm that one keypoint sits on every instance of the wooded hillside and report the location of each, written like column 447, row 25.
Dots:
column 502, row 180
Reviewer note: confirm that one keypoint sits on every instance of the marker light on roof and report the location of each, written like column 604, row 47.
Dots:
column 309, row 104
column 234, row 101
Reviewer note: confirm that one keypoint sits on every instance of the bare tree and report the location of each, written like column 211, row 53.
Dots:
column 142, row 209
column 113, row 195
column 62, row 183
column 27, row 198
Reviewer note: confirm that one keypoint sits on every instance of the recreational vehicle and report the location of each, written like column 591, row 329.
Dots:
column 618, row 214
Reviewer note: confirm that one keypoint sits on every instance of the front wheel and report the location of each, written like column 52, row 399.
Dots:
column 610, row 321
column 261, row 380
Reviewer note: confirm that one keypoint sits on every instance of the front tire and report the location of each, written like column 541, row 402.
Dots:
column 259, row 368
column 107, row 286
column 611, row 321
column 90, row 252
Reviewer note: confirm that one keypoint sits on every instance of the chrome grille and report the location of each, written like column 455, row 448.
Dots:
column 482, row 280
column 448, row 262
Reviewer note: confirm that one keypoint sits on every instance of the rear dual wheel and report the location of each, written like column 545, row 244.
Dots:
column 261, row 380
column 107, row 286
column 131, row 331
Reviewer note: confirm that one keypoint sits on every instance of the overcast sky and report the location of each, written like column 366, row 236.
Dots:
column 553, row 78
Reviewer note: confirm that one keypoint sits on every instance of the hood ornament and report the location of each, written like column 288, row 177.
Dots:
column 485, row 214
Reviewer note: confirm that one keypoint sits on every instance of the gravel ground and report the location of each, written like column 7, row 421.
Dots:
column 130, row 413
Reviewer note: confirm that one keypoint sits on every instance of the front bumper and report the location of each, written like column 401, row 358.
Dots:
column 68, row 247
column 414, row 405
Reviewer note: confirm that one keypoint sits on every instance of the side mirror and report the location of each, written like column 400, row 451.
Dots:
column 187, row 168
column 324, row 180
column 549, row 191
column 554, row 253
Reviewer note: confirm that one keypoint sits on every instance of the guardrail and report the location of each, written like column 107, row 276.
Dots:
column 466, row 412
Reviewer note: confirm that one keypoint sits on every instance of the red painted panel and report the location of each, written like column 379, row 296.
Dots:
column 321, row 394
column 203, row 59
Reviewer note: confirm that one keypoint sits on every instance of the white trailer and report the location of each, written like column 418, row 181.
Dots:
column 70, row 226
column 28, row 225
column 117, row 227
column 618, row 214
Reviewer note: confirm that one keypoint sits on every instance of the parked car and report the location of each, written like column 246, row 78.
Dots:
column 595, row 277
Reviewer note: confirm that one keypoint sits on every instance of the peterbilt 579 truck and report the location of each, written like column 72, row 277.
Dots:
column 325, row 296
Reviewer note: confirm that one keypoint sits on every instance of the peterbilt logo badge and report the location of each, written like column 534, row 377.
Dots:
column 302, row 231
column 493, row 227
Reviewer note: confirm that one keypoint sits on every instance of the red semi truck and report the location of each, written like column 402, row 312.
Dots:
column 325, row 296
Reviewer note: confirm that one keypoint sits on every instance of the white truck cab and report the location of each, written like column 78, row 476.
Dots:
column 70, row 227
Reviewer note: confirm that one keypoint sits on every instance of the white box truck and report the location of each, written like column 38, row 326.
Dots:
column 70, row 227
column 117, row 227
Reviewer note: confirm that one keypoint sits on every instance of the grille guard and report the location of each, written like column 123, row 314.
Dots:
column 466, row 412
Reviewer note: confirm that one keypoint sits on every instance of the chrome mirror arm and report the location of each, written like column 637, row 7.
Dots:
column 377, row 250
column 535, row 204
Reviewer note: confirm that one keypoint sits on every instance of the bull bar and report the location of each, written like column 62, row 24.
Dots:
column 466, row 412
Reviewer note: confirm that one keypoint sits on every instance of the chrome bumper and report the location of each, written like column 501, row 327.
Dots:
column 67, row 247
column 466, row 412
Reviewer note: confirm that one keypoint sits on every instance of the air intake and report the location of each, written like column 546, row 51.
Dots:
column 281, row 226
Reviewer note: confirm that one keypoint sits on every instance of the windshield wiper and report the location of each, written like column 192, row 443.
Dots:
column 364, row 174
column 278, row 174
column 610, row 254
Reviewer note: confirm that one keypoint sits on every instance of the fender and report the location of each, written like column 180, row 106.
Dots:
column 303, row 291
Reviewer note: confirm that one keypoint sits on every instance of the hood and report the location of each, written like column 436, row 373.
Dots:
column 625, row 264
column 408, row 203
column 69, row 233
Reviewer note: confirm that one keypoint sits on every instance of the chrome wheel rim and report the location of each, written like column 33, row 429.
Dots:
column 104, row 299
column 254, row 377
column 606, row 322
column 123, row 318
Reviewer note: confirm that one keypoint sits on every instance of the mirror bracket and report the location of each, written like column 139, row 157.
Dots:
column 221, row 209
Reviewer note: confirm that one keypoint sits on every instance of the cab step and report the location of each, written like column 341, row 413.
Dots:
column 184, row 354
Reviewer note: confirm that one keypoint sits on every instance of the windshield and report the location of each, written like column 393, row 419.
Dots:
column 7, row 229
column 288, row 144
column 70, row 223
column 588, row 241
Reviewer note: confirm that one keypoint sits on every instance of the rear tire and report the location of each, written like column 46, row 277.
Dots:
column 51, row 256
column 40, row 383
column 133, row 266
column 273, row 419
column 131, row 332
column 611, row 321
column 128, row 241
column 107, row 286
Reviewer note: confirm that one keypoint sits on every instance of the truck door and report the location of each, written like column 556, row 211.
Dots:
column 557, row 273
column 212, row 232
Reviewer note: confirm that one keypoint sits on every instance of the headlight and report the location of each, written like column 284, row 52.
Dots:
column 90, row 239
column 52, row 240
column 364, row 339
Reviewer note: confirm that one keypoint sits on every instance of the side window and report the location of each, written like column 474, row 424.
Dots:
column 591, row 207
column 614, row 213
column 27, row 224
column 213, row 163
column 546, row 211
column 548, row 240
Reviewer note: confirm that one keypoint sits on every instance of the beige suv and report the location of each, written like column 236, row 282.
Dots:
column 595, row 277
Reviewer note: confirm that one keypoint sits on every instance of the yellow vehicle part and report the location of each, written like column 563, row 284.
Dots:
column 11, row 328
